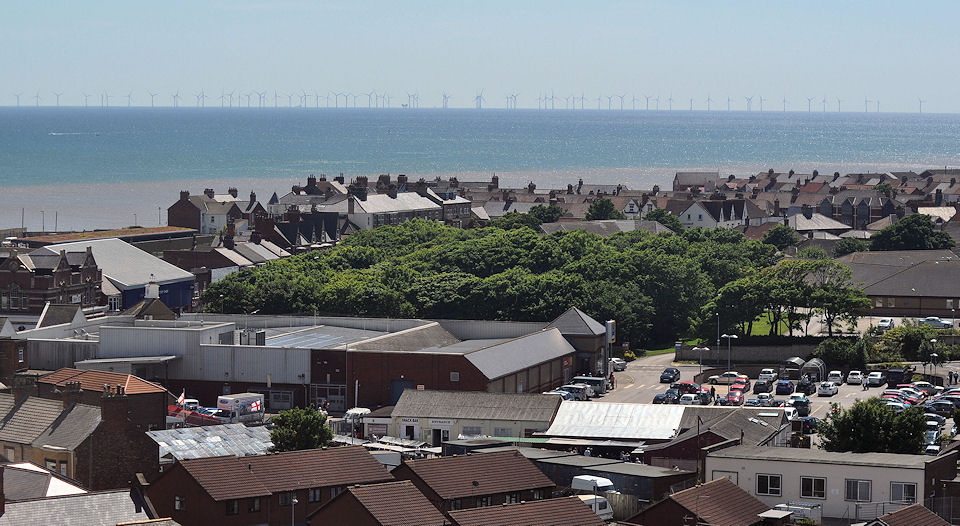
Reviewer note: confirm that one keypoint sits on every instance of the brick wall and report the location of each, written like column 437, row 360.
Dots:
column 183, row 214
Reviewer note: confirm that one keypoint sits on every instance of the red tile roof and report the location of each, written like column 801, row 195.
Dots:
column 915, row 515
column 550, row 512
column 397, row 504
column 454, row 477
column 230, row 477
column 720, row 503
column 95, row 380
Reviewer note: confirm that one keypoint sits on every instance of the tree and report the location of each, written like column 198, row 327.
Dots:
column 781, row 236
column 603, row 209
column 812, row 253
column 300, row 429
column 514, row 220
column 843, row 351
column 849, row 245
column 665, row 218
column 914, row 232
column 871, row 427
column 834, row 294
column 547, row 214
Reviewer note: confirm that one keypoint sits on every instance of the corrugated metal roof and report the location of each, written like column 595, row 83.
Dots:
column 212, row 441
column 476, row 405
column 520, row 353
column 123, row 263
column 612, row 420
column 576, row 322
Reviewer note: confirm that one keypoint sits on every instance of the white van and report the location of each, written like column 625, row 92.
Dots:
column 599, row 505
column 598, row 383
column 242, row 408
column 591, row 483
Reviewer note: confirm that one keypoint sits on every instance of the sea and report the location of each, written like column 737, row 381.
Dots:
column 84, row 168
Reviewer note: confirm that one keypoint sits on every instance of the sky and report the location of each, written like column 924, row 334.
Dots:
column 894, row 52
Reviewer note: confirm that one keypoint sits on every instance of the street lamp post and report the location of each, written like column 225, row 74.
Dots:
column 728, row 337
column 934, row 355
column 293, row 506
column 701, row 349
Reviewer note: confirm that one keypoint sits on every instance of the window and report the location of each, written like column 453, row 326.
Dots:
column 537, row 494
column 233, row 507
column 502, row 432
column 286, row 498
column 179, row 503
column 456, row 504
column 454, row 376
column 20, row 355
column 63, row 467
column 253, row 505
column 688, row 217
column 950, row 303
column 486, row 500
column 768, row 484
column 905, row 492
column 891, row 302
column 313, row 495
column 878, row 302
column 471, row 430
column 513, row 498
column 699, row 217
column 813, row 488
column 51, row 464
column 10, row 453
column 857, row 490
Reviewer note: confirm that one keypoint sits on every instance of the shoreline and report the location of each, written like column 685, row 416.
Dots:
column 87, row 206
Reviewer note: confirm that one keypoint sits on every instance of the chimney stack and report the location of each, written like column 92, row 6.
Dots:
column 184, row 195
column 531, row 187
column 339, row 178
column 23, row 388
column 938, row 197
column 208, row 192
column 253, row 197
column 70, row 394
column 232, row 191
column 113, row 404
column 351, row 204
column 807, row 211
column 392, row 191
column 311, row 182
column 229, row 236
column 494, row 183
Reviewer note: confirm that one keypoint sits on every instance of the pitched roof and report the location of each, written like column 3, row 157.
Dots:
column 71, row 427
column 95, row 380
column 56, row 314
column 24, row 422
column 606, row 227
column 614, row 420
column 487, row 474
column 124, row 264
column 103, row 508
column 508, row 357
column 915, row 515
column 476, row 405
column 721, row 503
column 230, row 477
column 397, row 504
column 26, row 480
column 548, row 512
column 575, row 322
column 212, row 441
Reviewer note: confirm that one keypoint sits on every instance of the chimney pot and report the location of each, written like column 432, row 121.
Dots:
column 232, row 191
column 184, row 195
column 208, row 192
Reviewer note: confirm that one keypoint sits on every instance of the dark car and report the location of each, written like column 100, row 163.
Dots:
column 784, row 387
column 686, row 387
column 669, row 375
column 671, row 396
column 762, row 386
column 703, row 397
column 809, row 424
column 940, row 407
column 806, row 386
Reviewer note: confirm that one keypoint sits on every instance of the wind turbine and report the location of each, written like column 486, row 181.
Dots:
column 289, row 100
column 446, row 99
column 784, row 104
column 553, row 101
column 824, row 104
column 728, row 103
column 761, row 103
column 921, row 101
column 838, row 105
column 513, row 100
column 152, row 97
column 709, row 100
column 648, row 97
column 176, row 99
column 866, row 101
column 691, row 103
column 809, row 102
column 621, row 100
column 371, row 97
column 633, row 102
column 17, row 95
column 37, row 98
column 599, row 98
column 222, row 97
column 657, row 101
column 749, row 103
column 479, row 100
column 670, row 101
column 129, row 99
column 878, row 105
column 85, row 97
column 106, row 97
column 57, row 95
column 610, row 101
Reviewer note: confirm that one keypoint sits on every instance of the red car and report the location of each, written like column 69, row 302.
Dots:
column 739, row 386
column 734, row 398
column 686, row 387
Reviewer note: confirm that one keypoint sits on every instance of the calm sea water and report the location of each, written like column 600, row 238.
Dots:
column 94, row 167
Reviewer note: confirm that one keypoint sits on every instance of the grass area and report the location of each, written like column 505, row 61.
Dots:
column 669, row 349
column 761, row 326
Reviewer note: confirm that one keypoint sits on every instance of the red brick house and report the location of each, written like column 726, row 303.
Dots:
column 29, row 281
column 552, row 512
column 204, row 213
column 388, row 504
column 260, row 489
column 473, row 481
column 146, row 401
column 718, row 503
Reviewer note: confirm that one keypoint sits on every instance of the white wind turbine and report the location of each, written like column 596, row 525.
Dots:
column 921, row 101
column 809, row 103
column 478, row 100
column 129, row 98
column 17, row 95
column 749, row 101
column 153, row 96
column 709, row 100
column 57, row 95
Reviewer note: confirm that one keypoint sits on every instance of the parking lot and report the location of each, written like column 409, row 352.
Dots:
column 640, row 382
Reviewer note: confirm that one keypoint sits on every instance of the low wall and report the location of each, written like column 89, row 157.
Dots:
column 746, row 354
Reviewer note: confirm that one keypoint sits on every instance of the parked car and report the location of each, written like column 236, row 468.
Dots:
column 686, row 387
column 944, row 408
column 689, row 399
column 896, row 406
column 761, row 400
column 740, row 386
column 885, row 324
column 932, row 450
column 618, row 364
column 827, row 389
column 931, row 437
column 953, row 399
column 936, row 322
column 927, row 388
column 809, row 424
column 768, row 374
column 762, row 386
column 939, row 419
column 835, row 376
column 802, row 405
column 876, row 378
column 912, row 391
column 671, row 396
column 806, row 386
column 566, row 395
column 728, row 377
column 734, row 398
column 855, row 378
column 743, row 380
column 784, row 387
column 703, row 397
column 669, row 375
column 581, row 392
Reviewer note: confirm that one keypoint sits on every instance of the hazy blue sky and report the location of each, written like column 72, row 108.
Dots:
column 891, row 51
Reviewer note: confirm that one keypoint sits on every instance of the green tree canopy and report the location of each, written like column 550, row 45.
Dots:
column 547, row 214
column 781, row 236
column 914, row 232
column 603, row 209
column 513, row 220
column 812, row 253
column 300, row 429
column 849, row 245
column 870, row 427
column 665, row 218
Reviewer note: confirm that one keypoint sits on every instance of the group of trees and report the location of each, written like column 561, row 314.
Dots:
column 871, row 427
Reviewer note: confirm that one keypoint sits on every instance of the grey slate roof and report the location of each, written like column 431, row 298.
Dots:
column 71, row 427
column 575, row 322
column 56, row 314
column 212, row 441
column 106, row 508
column 476, row 405
column 25, row 422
